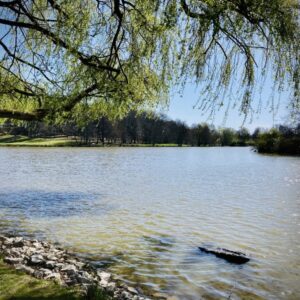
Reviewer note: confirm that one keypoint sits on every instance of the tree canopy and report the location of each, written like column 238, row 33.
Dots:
column 60, row 58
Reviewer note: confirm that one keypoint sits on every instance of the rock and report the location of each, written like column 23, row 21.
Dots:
column 37, row 245
column 18, row 242
column 29, row 250
column 51, row 257
column 45, row 244
column 125, row 295
column 15, row 251
column 36, row 259
column 13, row 260
column 59, row 265
column 111, row 286
column 50, row 264
column 25, row 269
column 69, row 269
column 58, row 252
column 26, row 243
column 38, row 274
column 104, row 275
column 53, row 263
column 160, row 295
column 46, row 272
column 230, row 256
column 71, row 281
column 8, row 241
column 104, row 283
column 7, row 251
column 79, row 264
column 54, row 276
column 70, row 261
column 132, row 290
column 84, row 279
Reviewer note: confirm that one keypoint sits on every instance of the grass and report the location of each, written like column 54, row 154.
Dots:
column 19, row 141
column 16, row 285
column 24, row 141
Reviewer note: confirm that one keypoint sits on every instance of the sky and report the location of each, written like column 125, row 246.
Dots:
column 181, row 107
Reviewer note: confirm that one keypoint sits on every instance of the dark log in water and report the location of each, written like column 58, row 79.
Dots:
column 230, row 256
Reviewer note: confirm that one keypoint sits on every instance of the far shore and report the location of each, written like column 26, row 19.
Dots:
column 64, row 141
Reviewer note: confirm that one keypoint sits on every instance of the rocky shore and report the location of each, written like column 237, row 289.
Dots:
column 45, row 261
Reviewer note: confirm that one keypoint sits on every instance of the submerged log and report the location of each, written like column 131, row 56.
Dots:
column 230, row 256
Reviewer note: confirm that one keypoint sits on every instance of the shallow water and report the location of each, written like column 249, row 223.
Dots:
column 142, row 212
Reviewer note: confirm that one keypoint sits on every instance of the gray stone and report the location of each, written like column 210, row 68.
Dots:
column 79, row 264
column 160, row 295
column 69, row 269
column 58, row 252
column 13, row 260
column 45, row 244
column 29, row 250
column 51, row 257
column 125, row 295
column 132, row 290
column 18, row 242
column 25, row 269
column 50, row 264
column 71, row 281
column 71, row 261
column 54, row 276
column 59, row 265
column 104, row 275
column 85, row 274
column 8, row 241
column 36, row 259
column 38, row 274
column 46, row 272
column 84, row 279
column 37, row 245
column 111, row 286
column 7, row 251
column 15, row 251
column 104, row 283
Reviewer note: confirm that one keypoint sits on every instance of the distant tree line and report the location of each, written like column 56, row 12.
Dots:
column 135, row 129
column 159, row 129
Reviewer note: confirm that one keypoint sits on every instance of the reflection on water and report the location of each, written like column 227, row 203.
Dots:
column 28, row 203
column 142, row 213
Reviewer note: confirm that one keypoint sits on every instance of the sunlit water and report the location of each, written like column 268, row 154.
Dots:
column 142, row 213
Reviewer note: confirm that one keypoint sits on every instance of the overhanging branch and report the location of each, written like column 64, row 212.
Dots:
column 37, row 115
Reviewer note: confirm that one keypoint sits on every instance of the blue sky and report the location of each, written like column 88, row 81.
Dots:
column 181, row 107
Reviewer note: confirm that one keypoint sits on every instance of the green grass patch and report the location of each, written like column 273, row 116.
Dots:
column 23, row 141
column 16, row 285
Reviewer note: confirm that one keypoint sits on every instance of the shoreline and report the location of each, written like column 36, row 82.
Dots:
column 64, row 141
column 44, row 260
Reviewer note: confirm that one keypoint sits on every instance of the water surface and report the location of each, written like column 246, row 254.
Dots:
column 142, row 212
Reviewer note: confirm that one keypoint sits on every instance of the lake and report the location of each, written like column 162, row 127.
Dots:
column 142, row 213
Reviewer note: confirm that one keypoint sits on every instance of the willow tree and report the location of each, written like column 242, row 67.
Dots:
column 61, row 58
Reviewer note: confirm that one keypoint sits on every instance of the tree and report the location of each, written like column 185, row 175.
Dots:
column 202, row 135
column 243, row 136
column 227, row 137
column 116, row 56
